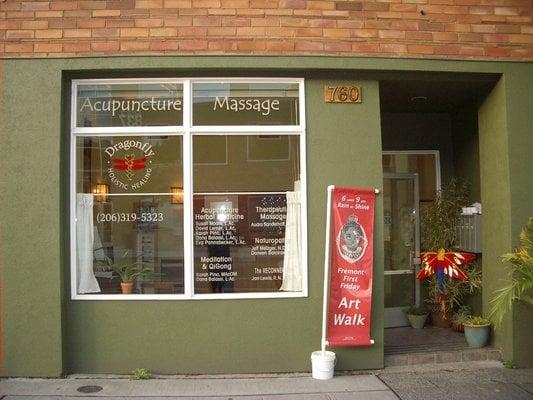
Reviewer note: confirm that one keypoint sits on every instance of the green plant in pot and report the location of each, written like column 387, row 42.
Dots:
column 417, row 316
column 128, row 272
column 520, row 282
column 449, row 276
column 459, row 318
column 456, row 292
column 477, row 331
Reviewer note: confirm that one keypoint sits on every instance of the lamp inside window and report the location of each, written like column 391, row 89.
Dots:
column 176, row 195
column 101, row 191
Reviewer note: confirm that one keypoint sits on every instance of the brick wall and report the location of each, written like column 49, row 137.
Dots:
column 458, row 29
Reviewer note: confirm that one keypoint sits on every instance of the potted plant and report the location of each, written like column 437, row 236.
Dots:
column 417, row 316
column 438, row 234
column 128, row 272
column 477, row 330
column 456, row 292
column 520, row 280
column 459, row 318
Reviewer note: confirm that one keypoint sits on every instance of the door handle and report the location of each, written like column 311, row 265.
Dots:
column 414, row 260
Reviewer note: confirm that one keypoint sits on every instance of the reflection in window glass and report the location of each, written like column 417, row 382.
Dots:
column 129, row 226
column 241, row 240
column 252, row 163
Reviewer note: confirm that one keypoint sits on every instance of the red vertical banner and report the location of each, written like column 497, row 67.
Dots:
column 350, row 288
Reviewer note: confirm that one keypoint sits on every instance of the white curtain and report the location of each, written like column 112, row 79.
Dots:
column 292, row 265
column 86, row 280
column 98, row 248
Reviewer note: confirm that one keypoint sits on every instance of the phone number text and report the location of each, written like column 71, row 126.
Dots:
column 129, row 217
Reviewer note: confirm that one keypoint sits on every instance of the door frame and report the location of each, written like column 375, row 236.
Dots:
column 395, row 316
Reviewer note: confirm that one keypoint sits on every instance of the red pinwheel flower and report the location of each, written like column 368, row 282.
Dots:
column 444, row 263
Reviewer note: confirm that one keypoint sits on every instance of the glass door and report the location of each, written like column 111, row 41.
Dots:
column 402, row 246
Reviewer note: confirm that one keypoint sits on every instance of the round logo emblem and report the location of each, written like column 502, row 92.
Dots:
column 352, row 240
column 129, row 164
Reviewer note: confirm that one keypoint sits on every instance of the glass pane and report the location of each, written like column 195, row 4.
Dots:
column 129, row 104
column 246, row 163
column 123, row 230
column 399, row 290
column 239, row 243
column 244, row 209
column 422, row 164
column 245, row 103
column 129, row 164
column 399, row 226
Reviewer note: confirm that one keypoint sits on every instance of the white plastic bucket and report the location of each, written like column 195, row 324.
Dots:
column 323, row 364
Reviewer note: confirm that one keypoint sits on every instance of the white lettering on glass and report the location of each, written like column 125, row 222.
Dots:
column 265, row 107
column 115, row 106
column 129, row 144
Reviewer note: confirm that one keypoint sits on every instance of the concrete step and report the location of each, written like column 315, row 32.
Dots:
column 440, row 356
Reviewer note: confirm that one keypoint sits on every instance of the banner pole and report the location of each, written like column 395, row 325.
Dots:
column 326, row 267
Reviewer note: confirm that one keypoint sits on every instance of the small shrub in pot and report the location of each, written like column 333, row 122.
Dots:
column 477, row 331
column 417, row 316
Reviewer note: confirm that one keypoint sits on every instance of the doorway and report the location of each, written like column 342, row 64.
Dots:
column 411, row 179
column 402, row 245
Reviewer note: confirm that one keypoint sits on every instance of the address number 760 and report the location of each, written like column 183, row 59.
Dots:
column 342, row 94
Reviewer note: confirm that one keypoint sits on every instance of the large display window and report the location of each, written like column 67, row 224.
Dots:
column 188, row 189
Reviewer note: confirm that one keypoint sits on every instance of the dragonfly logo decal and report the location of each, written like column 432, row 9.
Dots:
column 130, row 164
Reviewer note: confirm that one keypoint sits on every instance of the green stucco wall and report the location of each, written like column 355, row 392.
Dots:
column 506, row 142
column 45, row 334
column 519, row 97
column 495, row 197
column 31, row 220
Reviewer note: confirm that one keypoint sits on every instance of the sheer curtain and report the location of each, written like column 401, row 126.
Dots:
column 292, row 265
column 86, row 281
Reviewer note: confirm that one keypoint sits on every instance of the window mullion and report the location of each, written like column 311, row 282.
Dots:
column 188, row 255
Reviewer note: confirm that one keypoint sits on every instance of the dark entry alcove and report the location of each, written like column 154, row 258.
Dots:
column 429, row 127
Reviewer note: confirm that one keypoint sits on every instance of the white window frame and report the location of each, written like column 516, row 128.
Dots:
column 187, row 131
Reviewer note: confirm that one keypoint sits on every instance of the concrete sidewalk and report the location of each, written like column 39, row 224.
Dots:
column 277, row 387
column 483, row 380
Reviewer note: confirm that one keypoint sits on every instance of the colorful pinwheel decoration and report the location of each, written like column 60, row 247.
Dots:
column 444, row 263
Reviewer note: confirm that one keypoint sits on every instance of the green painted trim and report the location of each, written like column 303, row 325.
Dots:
column 269, row 63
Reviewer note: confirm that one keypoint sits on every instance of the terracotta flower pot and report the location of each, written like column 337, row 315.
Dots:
column 441, row 320
column 458, row 327
column 127, row 287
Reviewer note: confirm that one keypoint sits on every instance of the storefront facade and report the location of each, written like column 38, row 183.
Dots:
column 241, row 134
